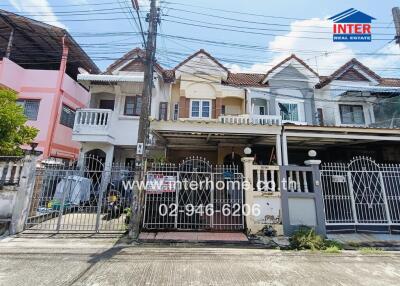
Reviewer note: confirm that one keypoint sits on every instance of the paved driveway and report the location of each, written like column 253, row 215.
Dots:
column 27, row 261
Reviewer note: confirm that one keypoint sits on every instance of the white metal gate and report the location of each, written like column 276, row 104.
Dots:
column 361, row 192
column 193, row 195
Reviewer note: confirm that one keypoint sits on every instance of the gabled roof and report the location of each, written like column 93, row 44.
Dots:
column 352, row 16
column 202, row 51
column 292, row 57
column 350, row 64
column 245, row 79
column 131, row 55
column 168, row 75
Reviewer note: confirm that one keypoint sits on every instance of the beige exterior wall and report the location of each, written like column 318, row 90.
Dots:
column 207, row 87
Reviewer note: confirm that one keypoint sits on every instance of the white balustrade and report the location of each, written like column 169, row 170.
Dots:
column 10, row 170
column 251, row 119
column 92, row 118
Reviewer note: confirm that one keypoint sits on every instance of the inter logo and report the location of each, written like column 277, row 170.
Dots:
column 352, row 26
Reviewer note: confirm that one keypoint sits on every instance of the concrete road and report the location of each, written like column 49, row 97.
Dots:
column 100, row 261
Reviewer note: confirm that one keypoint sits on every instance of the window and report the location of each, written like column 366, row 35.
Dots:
column 106, row 104
column 200, row 109
column 176, row 111
column 351, row 114
column 223, row 110
column 133, row 105
column 289, row 111
column 31, row 107
column 163, row 111
column 67, row 116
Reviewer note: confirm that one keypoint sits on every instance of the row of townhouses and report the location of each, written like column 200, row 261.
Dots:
column 252, row 126
column 200, row 108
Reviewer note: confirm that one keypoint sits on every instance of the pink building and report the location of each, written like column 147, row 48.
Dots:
column 45, row 82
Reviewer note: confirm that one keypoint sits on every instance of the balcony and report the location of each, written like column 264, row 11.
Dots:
column 246, row 119
column 105, row 126
column 93, row 125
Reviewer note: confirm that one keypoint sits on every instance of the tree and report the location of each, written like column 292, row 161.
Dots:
column 13, row 131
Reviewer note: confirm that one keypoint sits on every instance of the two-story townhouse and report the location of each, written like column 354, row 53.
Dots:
column 41, row 62
column 108, row 127
column 355, row 115
column 209, row 114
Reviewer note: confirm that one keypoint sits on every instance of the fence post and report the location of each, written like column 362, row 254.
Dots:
column 24, row 195
column 319, row 200
column 248, row 190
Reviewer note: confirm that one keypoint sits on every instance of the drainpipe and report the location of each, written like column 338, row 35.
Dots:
column 55, row 111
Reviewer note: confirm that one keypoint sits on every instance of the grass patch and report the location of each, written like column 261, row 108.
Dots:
column 370, row 250
column 333, row 249
column 305, row 238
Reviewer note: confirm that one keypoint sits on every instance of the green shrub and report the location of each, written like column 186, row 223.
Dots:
column 306, row 238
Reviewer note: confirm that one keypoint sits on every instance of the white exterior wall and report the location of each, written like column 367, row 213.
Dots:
column 329, row 98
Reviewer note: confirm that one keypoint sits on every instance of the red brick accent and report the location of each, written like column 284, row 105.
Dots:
column 184, row 106
column 218, row 107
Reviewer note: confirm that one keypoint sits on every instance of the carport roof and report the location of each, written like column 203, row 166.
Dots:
column 37, row 45
column 205, row 134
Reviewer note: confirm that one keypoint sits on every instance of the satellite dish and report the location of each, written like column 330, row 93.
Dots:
column 81, row 70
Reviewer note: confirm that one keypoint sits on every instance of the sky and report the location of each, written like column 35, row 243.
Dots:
column 246, row 36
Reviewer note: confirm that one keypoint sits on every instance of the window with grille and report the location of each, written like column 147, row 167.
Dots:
column 31, row 108
column 163, row 111
column 67, row 116
column 351, row 114
column 176, row 111
column 133, row 105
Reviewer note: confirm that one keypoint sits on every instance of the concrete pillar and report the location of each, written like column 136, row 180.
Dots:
column 248, row 192
column 318, row 197
column 24, row 195
column 278, row 150
column 285, row 150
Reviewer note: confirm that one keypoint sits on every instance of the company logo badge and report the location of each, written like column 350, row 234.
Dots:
column 352, row 26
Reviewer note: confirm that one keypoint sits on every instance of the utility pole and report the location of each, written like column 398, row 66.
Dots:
column 396, row 20
column 144, row 124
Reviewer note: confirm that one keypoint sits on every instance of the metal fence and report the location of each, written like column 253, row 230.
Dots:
column 193, row 195
column 89, row 197
column 361, row 192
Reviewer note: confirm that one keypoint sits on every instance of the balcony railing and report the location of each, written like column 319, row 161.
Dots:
column 251, row 119
column 92, row 118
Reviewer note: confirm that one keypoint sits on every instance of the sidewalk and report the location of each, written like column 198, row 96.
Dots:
column 105, row 261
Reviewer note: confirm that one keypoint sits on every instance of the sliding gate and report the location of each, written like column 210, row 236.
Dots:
column 193, row 195
column 361, row 193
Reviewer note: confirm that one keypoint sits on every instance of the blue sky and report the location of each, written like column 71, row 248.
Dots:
column 266, row 31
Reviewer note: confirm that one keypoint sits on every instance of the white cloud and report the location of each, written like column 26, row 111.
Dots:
column 39, row 9
column 321, row 54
